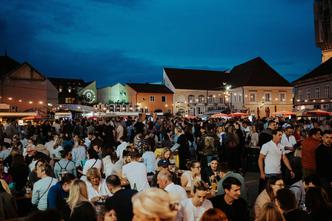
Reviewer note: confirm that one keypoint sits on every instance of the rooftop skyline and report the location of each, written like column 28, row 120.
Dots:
column 114, row 41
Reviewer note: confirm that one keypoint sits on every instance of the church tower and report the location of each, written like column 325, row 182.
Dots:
column 323, row 27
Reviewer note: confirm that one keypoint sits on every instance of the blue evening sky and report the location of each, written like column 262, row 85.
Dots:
column 132, row 40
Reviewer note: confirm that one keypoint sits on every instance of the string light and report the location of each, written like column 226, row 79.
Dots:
column 22, row 101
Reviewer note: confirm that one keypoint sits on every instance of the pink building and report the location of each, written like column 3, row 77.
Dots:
column 25, row 88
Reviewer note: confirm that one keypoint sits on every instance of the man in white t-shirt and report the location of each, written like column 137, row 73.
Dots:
column 121, row 147
column 135, row 173
column 164, row 180
column 270, row 157
column 193, row 208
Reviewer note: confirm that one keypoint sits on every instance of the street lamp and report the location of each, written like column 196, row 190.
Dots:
column 227, row 95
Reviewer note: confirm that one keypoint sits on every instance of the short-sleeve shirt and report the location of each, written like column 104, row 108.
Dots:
column 273, row 153
column 189, row 212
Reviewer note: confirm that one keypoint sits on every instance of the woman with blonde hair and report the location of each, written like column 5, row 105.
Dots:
column 96, row 186
column 81, row 208
column 270, row 212
column 154, row 204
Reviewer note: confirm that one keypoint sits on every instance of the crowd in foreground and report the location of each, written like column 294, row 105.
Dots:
column 165, row 169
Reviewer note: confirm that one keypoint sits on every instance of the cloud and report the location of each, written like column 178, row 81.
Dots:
column 107, row 67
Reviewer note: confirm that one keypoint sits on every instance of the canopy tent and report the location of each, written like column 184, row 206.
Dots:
column 316, row 113
column 37, row 117
column 219, row 115
column 190, row 117
column 284, row 113
column 238, row 114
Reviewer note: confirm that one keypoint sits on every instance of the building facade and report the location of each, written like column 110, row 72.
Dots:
column 259, row 90
column 116, row 94
column 196, row 92
column 24, row 88
column 150, row 98
column 313, row 90
column 75, row 91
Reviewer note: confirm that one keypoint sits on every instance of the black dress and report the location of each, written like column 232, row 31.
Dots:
column 84, row 211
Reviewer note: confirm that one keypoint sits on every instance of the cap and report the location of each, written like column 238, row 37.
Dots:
column 163, row 163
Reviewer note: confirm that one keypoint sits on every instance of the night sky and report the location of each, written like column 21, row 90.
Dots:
column 132, row 40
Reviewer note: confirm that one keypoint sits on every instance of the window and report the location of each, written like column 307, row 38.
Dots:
column 317, row 92
column 327, row 91
column 252, row 97
column 151, row 98
column 240, row 98
column 268, row 97
column 69, row 100
column 308, row 93
column 282, row 97
column 191, row 99
column 221, row 100
column 199, row 110
column 201, row 98
column 209, row 99
column 163, row 99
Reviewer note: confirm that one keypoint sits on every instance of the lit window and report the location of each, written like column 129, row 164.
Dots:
column 252, row 97
column 268, row 97
column 282, row 97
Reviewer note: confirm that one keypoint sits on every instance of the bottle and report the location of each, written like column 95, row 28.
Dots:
column 135, row 187
column 28, row 187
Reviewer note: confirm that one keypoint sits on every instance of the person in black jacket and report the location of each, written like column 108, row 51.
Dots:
column 287, row 203
column 266, row 135
column 323, row 155
column 231, row 203
column 120, row 202
column 182, row 146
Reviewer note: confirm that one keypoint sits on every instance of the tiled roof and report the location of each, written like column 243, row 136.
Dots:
column 256, row 72
column 196, row 79
column 149, row 88
column 323, row 69
column 7, row 64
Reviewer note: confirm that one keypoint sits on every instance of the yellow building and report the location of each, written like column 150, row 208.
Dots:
column 256, row 88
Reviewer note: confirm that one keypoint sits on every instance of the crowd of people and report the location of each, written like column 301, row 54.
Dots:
column 168, row 168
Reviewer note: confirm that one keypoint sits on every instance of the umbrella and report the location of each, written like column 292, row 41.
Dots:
column 33, row 117
column 219, row 115
column 190, row 117
column 284, row 113
column 316, row 113
column 238, row 114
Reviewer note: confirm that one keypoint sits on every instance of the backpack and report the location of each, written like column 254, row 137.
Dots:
column 63, row 171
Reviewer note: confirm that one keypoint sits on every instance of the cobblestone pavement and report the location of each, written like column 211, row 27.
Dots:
column 251, row 181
